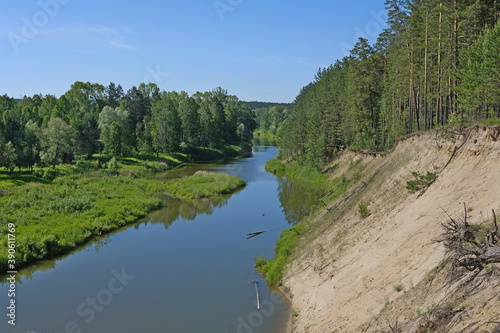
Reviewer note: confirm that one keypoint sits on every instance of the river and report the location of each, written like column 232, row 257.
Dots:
column 185, row 268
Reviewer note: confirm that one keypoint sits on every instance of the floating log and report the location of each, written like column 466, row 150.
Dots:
column 254, row 234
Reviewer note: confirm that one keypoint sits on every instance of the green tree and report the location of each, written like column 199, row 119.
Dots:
column 165, row 125
column 58, row 142
column 114, row 95
column 114, row 126
column 190, row 119
column 32, row 144
column 480, row 76
column 83, row 103
column 9, row 157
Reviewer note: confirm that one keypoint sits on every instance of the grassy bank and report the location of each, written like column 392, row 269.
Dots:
column 54, row 216
column 272, row 270
column 294, row 170
column 289, row 239
column 203, row 184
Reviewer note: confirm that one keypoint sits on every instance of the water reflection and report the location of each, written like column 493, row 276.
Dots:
column 298, row 199
column 173, row 209
column 186, row 209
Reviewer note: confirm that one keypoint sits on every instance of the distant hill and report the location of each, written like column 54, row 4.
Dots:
column 259, row 105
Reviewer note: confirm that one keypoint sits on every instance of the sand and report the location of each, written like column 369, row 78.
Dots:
column 349, row 271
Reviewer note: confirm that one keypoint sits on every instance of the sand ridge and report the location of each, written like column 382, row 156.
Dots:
column 349, row 270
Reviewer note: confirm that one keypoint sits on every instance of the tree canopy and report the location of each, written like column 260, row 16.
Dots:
column 91, row 118
column 437, row 61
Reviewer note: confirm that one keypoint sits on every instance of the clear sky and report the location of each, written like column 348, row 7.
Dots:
column 264, row 50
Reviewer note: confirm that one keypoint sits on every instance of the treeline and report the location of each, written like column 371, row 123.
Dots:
column 438, row 62
column 269, row 117
column 264, row 105
column 93, row 119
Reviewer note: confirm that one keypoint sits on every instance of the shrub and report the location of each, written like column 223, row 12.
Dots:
column 363, row 210
column 260, row 263
column 420, row 181
column 112, row 165
column 273, row 269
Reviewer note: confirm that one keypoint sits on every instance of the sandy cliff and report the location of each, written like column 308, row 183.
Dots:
column 365, row 275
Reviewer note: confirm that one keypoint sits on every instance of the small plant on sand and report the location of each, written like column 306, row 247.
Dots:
column 363, row 210
column 420, row 181
column 398, row 287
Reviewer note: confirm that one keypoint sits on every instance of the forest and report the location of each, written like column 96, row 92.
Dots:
column 437, row 64
column 94, row 119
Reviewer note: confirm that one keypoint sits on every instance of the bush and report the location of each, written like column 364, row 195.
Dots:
column 273, row 269
column 275, row 166
column 420, row 181
column 260, row 263
column 363, row 210
column 112, row 165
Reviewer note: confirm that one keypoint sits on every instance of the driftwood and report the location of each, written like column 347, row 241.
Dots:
column 462, row 243
column 254, row 234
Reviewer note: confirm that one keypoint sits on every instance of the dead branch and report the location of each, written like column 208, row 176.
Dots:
column 463, row 246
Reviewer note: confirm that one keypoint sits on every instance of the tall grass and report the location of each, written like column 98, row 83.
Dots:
column 294, row 170
column 289, row 238
column 204, row 184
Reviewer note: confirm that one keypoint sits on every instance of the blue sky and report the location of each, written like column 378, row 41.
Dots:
column 256, row 49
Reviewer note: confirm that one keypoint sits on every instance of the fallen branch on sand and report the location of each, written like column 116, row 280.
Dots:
column 466, row 247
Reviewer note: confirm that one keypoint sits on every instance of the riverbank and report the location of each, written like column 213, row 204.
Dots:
column 51, row 217
column 370, row 260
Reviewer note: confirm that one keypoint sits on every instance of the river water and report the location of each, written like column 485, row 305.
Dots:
column 185, row 268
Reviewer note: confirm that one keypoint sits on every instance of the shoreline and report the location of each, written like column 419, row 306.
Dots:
column 133, row 216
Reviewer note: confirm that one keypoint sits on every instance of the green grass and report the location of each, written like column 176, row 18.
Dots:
column 363, row 210
column 294, row 170
column 204, row 184
column 490, row 121
column 289, row 238
column 53, row 217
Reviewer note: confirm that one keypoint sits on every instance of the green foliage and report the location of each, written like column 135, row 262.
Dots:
column 53, row 217
column 9, row 157
column 260, row 263
column 273, row 269
column 424, row 71
column 294, row 170
column 269, row 118
column 112, row 165
column 204, row 184
column 90, row 119
column 363, row 210
column 420, row 181
column 275, row 166
column 398, row 288
column 490, row 121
